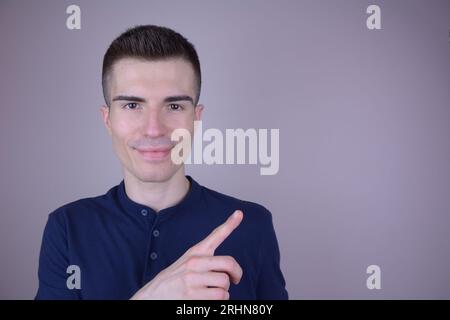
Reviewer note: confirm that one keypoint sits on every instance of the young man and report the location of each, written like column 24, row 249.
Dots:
column 158, row 234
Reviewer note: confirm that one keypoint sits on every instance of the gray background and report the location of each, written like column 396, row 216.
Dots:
column 364, row 119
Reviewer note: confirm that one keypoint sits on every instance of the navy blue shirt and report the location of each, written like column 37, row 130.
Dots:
column 120, row 245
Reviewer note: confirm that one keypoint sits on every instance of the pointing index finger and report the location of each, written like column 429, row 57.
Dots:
column 219, row 234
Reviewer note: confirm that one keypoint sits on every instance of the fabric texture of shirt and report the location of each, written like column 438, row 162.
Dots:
column 120, row 245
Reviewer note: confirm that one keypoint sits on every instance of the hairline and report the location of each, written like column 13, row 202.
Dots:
column 107, row 75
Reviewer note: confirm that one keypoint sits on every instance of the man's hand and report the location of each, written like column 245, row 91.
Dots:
column 198, row 274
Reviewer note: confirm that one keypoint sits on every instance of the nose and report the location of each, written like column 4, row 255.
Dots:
column 154, row 124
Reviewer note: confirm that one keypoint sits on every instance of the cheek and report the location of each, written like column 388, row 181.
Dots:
column 122, row 130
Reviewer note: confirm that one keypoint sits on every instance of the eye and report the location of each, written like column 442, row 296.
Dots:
column 131, row 105
column 175, row 107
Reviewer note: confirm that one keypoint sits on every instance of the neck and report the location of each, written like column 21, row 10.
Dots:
column 157, row 195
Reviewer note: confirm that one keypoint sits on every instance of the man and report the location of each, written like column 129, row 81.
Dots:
column 158, row 234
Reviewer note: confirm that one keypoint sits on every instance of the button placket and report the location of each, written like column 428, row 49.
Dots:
column 155, row 234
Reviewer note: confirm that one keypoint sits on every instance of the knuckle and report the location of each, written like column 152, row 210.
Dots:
column 189, row 251
column 230, row 262
column 224, row 280
column 193, row 250
column 192, row 262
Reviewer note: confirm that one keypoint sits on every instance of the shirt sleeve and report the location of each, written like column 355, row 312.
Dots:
column 54, row 261
column 271, row 283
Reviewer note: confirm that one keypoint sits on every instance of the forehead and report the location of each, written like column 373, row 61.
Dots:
column 152, row 79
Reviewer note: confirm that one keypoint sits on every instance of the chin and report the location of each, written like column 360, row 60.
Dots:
column 156, row 174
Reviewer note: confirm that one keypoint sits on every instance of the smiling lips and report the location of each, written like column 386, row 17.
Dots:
column 154, row 154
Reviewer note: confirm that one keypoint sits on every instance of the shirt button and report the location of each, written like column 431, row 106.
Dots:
column 155, row 233
column 144, row 212
column 153, row 256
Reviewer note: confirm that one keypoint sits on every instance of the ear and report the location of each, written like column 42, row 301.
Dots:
column 198, row 112
column 104, row 111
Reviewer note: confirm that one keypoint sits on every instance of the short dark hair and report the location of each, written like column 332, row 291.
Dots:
column 150, row 42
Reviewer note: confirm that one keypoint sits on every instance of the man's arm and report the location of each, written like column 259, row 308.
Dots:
column 53, row 262
column 271, row 282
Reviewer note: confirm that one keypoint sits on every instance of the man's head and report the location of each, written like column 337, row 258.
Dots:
column 151, row 83
column 150, row 43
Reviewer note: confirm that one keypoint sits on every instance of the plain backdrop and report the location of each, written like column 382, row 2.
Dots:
column 364, row 119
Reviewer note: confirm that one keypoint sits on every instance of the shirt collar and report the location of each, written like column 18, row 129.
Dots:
column 189, row 201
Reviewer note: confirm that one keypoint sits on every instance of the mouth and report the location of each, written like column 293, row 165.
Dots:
column 154, row 154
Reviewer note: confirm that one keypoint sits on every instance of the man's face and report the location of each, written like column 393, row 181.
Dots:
column 148, row 100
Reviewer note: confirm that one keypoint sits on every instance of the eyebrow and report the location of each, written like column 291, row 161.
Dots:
column 179, row 98
column 128, row 98
column 166, row 99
